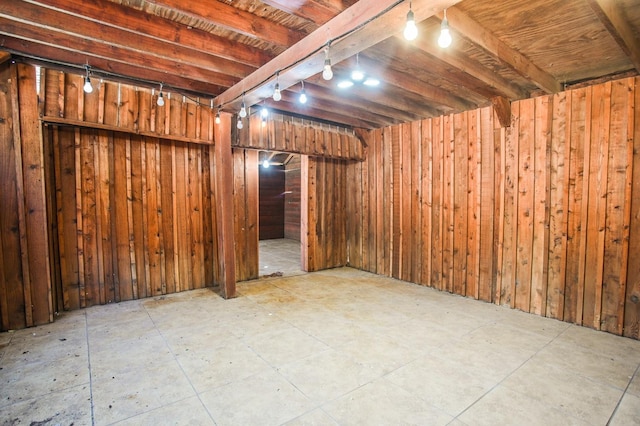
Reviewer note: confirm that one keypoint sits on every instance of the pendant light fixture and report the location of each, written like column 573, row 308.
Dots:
column 160, row 100
column 444, row 40
column 218, row 116
column 327, row 72
column 303, row 95
column 357, row 74
column 239, row 125
column 410, row 30
column 243, row 109
column 277, row 96
column 88, row 88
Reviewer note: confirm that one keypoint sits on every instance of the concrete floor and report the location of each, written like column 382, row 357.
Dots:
column 334, row 347
column 279, row 257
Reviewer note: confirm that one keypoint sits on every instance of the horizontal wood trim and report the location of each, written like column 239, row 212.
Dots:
column 47, row 120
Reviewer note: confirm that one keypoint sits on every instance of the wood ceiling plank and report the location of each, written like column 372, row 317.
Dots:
column 4, row 56
column 82, row 46
column 227, row 16
column 613, row 18
column 171, row 81
column 308, row 52
column 316, row 87
column 141, row 23
column 462, row 24
column 293, row 108
column 330, row 105
column 55, row 21
column 497, row 85
column 410, row 83
column 309, row 10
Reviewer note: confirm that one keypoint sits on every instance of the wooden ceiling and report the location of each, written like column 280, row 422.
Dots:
column 220, row 50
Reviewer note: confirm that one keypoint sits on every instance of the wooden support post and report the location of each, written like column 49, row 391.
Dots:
column 223, row 180
column 502, row 106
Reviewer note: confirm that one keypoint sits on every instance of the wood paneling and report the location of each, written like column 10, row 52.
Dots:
column 245, row 212
column 324, row 213
column 133, row 237
column 272, row 202
column 541, row 216
column 297, row 135
column 292, row 199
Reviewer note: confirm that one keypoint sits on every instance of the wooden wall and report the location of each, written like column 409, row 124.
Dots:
column 271, row 206
column 296, row 135
column 133, row 215
column 26, row 294
column 292, row 199
column 245, row 209
column 323, row 213
column 543, row 216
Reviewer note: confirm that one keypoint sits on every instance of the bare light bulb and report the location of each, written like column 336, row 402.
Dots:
column 218, row 117
column 88, row 88
column 264, row 112
column 160, row 101
column 277, row 95
column 265, row 164
column 410, row 30
column 303, row 95
column 327, row 72
column 240, row 125
column 444, row 40
column 243, row 110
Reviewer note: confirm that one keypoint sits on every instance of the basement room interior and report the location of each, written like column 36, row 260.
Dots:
column 320, row 212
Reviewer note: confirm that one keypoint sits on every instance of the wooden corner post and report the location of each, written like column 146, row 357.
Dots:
column 223, row 183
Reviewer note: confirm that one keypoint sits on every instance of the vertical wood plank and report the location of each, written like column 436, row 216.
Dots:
column 448, row 203
column 473, row 205
column 632, row 297
column 598, row 169
column 618, row 193
column 460, row 191
column 510, row 209
column 426, row 202
column 437, row 213
column 558, row 204
column 487, row 201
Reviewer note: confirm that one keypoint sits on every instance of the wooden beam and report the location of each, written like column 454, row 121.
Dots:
column 35, row 50
column 379, row 23
column 470, row 29
column 226, row 271
column 4, row 56
column 229, row 17
column 495, row 84
column 502, row 107
column 173, row 33
column 613, row 18
column 56, row 22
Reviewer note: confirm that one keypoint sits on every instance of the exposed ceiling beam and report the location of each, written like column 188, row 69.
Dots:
column 613, row 17
column 54, row 21
column 412, row 84
column 39, row 51
column 140, row 23
column 4, row 56
column 498, row 86
column 81, row 46
column 467, row 27
column 229, row 17
column 307, row 53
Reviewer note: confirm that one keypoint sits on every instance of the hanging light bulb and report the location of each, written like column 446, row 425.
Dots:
column 277, row 96
column 357, row 74
column 265, row 164
column 327, row 72
column 410, row 30
column 243, row 108
column 444, row 40
column 264, row 112
column 88, row 88
column 239, row 124
column 160, row 100
column 218, row 116
column 303, row 95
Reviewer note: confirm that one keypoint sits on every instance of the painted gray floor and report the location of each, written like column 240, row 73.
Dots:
column 334, row 347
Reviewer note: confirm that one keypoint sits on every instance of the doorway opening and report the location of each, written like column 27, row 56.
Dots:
column 280, row 250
